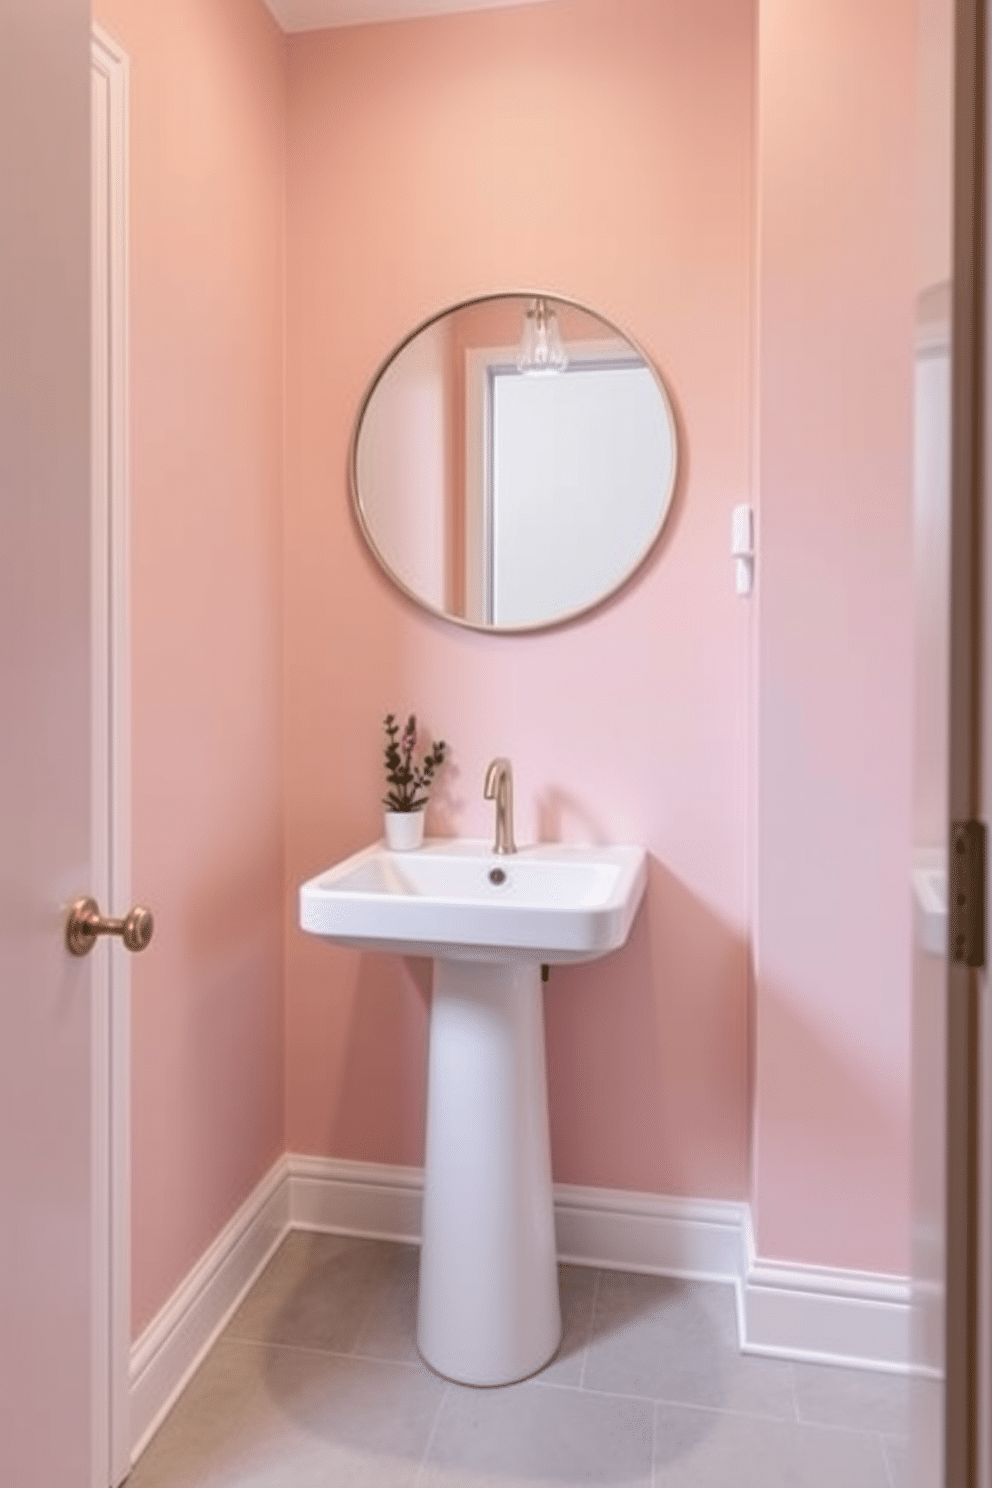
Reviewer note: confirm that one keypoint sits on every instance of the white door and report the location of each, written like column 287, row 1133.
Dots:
column 53, row 1316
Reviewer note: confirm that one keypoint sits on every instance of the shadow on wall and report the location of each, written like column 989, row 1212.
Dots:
column 207, row 1019
column 832, row 1142
column 380, row 1111
column 562, row 817
column 449, row 797
column 633, row 1064
column 637, row 1044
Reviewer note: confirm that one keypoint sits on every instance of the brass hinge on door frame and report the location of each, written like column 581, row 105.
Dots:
column 966, row 893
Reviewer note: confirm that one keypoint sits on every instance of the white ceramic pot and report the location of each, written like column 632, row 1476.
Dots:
column 404, row 830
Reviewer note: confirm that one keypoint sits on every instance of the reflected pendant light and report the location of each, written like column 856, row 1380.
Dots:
column 540, row 350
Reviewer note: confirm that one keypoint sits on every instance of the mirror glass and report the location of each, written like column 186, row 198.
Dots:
column 513, row 462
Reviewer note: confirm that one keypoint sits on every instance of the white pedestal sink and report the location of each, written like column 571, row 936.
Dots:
column 488, row 1311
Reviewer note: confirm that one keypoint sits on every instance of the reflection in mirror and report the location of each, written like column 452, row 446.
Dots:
column 510, row 491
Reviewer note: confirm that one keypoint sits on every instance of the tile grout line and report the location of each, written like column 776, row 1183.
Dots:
column 592, row 1323
column 369, row 1310
column 536, row 1382
column 792, row 1392
column 890, row 1476
column 422, row 1467
column 533, row 1382
column 654, row 1442
column 736, row 1412
column 695, row 1405
column 317, row 1351
column 421, row 1474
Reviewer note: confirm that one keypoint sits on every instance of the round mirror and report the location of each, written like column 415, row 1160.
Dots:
column 513, row 462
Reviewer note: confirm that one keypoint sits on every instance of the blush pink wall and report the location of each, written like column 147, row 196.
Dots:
column 207, row 153
column 834, row 659
column 605, row 153
column 610, row 154
column 934, row 154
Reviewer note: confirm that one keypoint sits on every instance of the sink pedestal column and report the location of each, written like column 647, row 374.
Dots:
column 489, row 1311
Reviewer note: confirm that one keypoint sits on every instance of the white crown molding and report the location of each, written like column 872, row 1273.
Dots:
column 319, row 15
column 785, row 1311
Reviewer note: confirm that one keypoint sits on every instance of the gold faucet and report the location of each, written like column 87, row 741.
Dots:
column 499, row 788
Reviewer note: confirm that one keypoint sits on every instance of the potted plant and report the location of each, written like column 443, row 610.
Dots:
column 409, row 783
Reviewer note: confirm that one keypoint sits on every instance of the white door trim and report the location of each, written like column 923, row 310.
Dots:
column 111, row 758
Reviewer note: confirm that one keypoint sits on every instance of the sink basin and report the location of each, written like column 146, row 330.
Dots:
column 459, row 900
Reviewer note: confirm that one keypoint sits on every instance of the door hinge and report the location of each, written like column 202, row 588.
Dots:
column 966, row 899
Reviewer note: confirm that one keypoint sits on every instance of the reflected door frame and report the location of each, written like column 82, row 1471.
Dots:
column 484, row 367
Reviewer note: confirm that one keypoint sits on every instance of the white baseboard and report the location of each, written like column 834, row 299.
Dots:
column 624, row 1231
column 784, row 1310
column 171, row 1347
column 792, row 1311
column 354, row 1198
column 594, row 1226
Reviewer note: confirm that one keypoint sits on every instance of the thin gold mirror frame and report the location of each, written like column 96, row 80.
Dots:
column 521, row 298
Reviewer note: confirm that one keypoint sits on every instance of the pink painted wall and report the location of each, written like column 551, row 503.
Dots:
column 934, row 140
column 605, row 154
column 834, row 657
column 207, row 152
column 613, row 160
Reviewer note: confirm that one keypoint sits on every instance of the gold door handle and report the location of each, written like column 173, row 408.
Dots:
column 85, row 923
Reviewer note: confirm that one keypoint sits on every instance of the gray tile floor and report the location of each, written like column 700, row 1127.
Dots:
column 317, row 1381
